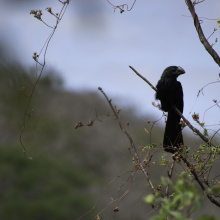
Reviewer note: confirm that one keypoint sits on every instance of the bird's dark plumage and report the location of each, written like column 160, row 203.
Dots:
column 170, row 93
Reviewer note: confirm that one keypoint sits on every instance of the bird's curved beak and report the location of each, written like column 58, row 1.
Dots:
column 180, row 70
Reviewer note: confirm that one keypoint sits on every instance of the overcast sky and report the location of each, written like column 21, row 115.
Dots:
column 93, row 46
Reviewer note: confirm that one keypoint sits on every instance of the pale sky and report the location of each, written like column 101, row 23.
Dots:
column 93, row 46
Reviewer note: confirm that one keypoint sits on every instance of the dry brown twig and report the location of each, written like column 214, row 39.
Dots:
column 100, row 195
column 133, row 147
column 121, row 7
column 37, row 14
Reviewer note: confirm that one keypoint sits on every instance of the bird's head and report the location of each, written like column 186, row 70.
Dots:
column 173, row 72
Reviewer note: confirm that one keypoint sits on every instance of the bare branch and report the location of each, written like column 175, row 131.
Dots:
column 38, row 14
column 199, row 30
column 143, row 79
column 137, row 158
column 100, row 195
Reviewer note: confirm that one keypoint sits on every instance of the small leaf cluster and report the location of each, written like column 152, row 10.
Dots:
column 184, row 197
column 151, row 146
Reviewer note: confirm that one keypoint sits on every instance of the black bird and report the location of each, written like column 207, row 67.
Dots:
column 170, row 93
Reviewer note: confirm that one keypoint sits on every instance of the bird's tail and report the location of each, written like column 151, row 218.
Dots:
column 173, row 138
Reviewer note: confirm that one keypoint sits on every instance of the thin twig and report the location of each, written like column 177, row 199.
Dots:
column 120, row 6
column 137, row 158
column 102, row 192
column 201, row 90
column 45, row 48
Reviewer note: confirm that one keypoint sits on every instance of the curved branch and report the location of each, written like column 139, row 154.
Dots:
column 123, row 5
column 199, row 30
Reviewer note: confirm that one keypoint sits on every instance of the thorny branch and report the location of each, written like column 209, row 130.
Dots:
column 137, row 158
column 189, row 165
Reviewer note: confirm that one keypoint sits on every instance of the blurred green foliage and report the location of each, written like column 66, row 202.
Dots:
column 50, row 186
column 43, row 188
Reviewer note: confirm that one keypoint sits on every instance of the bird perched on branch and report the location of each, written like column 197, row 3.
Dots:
column 170, row 93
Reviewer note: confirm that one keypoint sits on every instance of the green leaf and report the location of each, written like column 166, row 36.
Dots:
column 215, row 189
column 153, row 145
column 202, row 124
column 149, row 199
column 203, row 148
column 166, row 181
column 210, row 161
column 207, row 217
column 205, row 133
column 197, row 203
